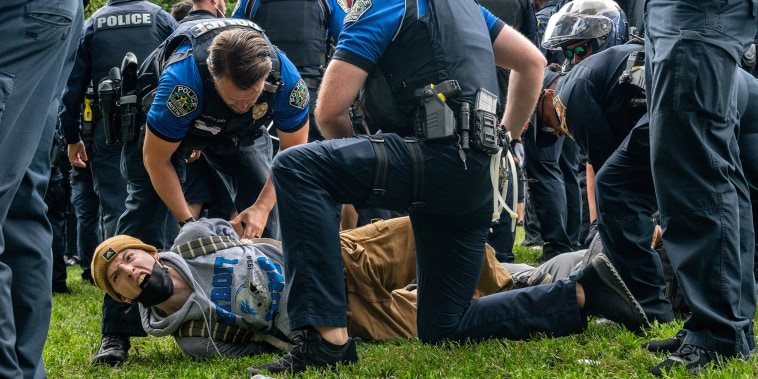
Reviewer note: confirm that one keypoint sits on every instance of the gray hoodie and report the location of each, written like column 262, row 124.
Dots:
column 239, row 286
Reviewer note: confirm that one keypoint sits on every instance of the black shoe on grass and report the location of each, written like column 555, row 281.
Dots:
column 691, row 357
column 310, row 350
column 668, row 346
column 606, row 294
column 114, row 350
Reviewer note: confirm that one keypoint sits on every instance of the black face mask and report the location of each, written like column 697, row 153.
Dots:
column 157, row 288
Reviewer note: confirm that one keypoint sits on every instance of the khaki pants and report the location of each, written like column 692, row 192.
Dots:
column 379, row 259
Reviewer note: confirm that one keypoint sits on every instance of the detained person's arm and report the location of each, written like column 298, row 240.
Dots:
column 512, row 50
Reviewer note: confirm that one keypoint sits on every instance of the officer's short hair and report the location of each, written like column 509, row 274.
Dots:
column 241, row 55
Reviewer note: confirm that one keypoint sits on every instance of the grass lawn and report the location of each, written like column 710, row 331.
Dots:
column 600, row 352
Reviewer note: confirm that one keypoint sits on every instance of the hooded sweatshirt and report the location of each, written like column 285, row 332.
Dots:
column 239, row 286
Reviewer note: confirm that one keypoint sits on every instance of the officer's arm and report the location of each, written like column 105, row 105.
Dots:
column 339, row 89
column 514, row 51
column 72, row 101
column 157, row 154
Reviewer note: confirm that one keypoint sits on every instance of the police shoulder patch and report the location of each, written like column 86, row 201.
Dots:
column 357, row 10
column 182, row 101
column 343, row 5
column 299, row 96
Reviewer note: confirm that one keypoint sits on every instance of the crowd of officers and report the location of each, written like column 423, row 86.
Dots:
column 631, row 120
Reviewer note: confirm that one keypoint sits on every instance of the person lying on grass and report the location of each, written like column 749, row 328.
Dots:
column 218, row 294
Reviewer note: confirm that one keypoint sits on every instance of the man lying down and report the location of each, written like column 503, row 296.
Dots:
column 218, row 294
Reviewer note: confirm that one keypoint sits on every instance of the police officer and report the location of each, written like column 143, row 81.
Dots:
column 600, row 111
column 84, row 199
column 560, row 161
column 38, row 45
column 119, row 27
column 691, row 61
column 447, row 186
column 207, row 101
column 299, row 28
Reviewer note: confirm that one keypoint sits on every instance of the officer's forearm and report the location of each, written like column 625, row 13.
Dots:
column 167, row 185
column 523, row 91
column 267, row 197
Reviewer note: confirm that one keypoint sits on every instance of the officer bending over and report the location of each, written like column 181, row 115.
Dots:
column 222, row 84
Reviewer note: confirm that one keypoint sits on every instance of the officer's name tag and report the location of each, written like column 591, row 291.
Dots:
column 121, row 20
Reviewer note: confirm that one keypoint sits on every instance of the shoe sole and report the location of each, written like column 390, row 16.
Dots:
column 608, row 274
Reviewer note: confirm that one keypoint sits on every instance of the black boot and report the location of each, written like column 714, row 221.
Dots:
column 310, row 350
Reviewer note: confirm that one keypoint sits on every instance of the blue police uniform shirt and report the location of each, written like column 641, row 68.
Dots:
column 594, row 107
column 363, row 43
column 338, row 10
column 167, row 126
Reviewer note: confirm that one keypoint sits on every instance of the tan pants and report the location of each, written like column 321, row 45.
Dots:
column 379, row 259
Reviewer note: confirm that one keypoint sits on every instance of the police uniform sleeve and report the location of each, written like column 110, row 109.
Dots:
column 494, row 24
column 245, row 9
column 76, row 86
column 578, row 109
column 178, row 99
column 367, row 32
column 291, row 101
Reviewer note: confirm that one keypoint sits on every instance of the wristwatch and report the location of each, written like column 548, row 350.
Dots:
column 187, row 221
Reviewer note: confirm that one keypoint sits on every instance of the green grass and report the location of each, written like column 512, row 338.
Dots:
column 600, row 352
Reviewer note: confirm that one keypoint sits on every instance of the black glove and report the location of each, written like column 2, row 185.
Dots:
column 591, row 233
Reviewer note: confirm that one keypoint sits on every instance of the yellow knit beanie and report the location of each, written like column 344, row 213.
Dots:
column 105, row 252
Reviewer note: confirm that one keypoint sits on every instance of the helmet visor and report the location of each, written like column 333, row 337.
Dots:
column 567, row 28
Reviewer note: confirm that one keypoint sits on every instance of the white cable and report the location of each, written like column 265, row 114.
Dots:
column 499, row 196
column 210, row 314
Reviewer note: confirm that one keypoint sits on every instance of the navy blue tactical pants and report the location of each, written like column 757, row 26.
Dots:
column 549, row 190
column 692, row 55
column 625, row 199
column 449, row 231
column 86, row 206
column 245, row 173
column 38, row 44
column 110, row 186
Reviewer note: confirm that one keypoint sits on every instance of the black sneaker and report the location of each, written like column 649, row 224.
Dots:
column 309, row 350
column 668, row 346
column 691, row 357
column 606, row 294
column 114, row 350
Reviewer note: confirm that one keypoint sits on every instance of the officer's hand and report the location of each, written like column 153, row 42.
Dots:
column 77, row 155
column 254, row 219
column 195, row 156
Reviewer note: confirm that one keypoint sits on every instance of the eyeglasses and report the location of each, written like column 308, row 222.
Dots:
column 580, row 50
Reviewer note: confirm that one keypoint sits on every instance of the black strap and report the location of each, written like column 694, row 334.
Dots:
column 380, row 171
column 417, row 162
